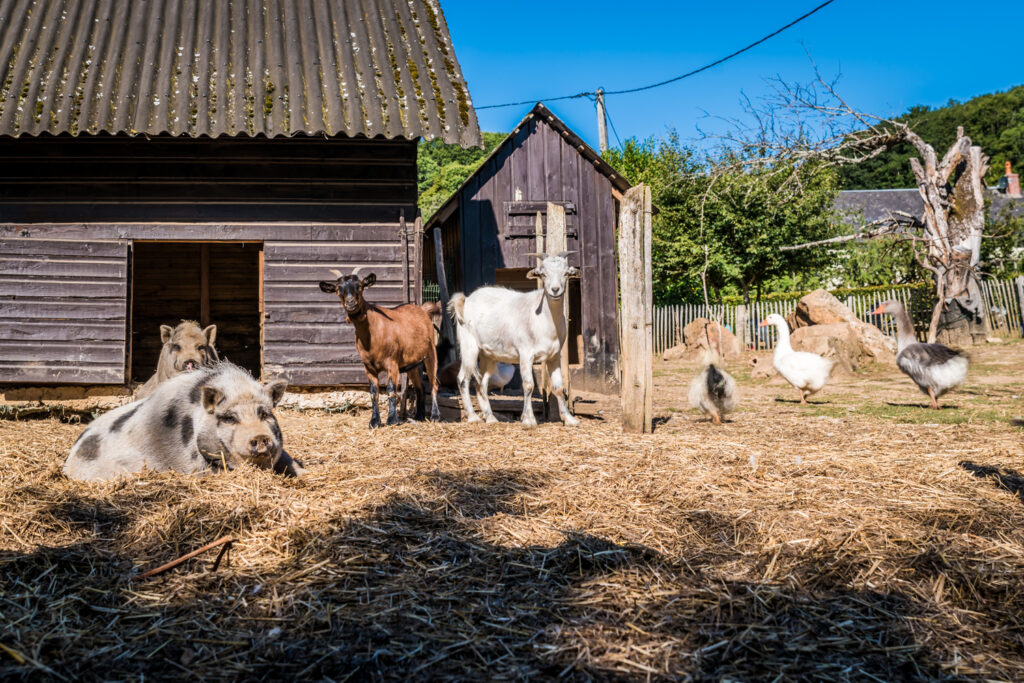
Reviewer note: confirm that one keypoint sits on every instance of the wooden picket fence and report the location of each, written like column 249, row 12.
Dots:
column 1002, row 298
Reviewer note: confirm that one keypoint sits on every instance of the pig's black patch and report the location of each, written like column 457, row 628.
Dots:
column 171, row 417
column 186, row 429
column 195, row 394
column 119, row 422
column 89, row 447
column 276, row 430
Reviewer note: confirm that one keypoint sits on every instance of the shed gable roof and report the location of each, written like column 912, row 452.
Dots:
column 542, row 113
column 232, row 67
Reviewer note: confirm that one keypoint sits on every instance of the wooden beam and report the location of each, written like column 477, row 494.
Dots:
column 417, row 250
column 636, row 316
column 405, row 256
column 204, row 284
column 556, row 243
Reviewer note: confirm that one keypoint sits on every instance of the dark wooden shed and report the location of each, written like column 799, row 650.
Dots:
column 488, row 228
column 177, row 159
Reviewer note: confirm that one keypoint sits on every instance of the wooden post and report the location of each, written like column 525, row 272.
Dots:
column 204, row 284
column 541, row 373
column 635, row 284
column 442, row 283
column 556, row 243
column 1019, row 282
column 406, row 297
column 417, row 250
column 740, row 328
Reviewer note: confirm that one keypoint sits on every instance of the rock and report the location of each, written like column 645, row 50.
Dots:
column 696, row 340
column 994, row 340
column 761, row 367
column 675, row 353
column 837, row 341
column 819, row 308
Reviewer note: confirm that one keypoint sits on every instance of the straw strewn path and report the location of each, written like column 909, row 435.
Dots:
column 861, row 536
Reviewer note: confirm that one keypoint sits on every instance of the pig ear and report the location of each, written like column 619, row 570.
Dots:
column 368, row 280
column 275, row 390
column 328, row 287
column 211, row 396
column 165, row 333
column 210, row 333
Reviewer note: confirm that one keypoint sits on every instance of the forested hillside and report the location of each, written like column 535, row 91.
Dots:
column 996, row 122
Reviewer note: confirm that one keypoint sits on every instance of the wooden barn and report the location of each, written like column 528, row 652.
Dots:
column 174, row 159
column 488, row 227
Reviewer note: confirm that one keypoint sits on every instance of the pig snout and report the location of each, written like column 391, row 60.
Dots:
column 261, row 444
column 189, row 366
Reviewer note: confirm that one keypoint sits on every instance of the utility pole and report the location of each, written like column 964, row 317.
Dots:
column 602, row 123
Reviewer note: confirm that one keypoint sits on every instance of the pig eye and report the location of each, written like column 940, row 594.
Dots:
column 227, row 419
column 176, row 347
column 263, row 414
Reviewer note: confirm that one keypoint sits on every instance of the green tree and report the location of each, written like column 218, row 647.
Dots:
column 442, row 168
column 726, row 215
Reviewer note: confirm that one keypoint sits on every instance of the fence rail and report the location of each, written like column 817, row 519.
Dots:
column 1002, row 304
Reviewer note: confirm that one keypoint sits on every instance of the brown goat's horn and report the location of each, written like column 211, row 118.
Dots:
column 336, row 273
column 355, row 271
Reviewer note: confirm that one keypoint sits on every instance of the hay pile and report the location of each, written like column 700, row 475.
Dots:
column 785, row 543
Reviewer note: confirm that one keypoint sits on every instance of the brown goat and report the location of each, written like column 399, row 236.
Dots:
column 391, row 340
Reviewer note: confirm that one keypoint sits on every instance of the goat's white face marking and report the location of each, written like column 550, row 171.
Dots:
column 555, row 272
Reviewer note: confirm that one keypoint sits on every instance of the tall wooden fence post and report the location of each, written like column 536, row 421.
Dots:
column 555, row 243
column 740, row 328
column 636, row 310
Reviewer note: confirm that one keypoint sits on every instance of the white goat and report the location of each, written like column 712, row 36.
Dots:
column 498, row 325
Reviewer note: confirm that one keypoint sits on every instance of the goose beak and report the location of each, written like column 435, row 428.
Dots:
column 878, row 311
column 764, row 323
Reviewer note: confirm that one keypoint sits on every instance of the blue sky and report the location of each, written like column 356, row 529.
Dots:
column 891, row 55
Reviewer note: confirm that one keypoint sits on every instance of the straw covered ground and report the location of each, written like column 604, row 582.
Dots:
column 862, row 537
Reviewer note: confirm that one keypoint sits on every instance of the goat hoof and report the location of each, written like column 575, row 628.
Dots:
column 473, row 418
column 529, row 423
column 491, row 419
column 570, row 421
column 374, row 423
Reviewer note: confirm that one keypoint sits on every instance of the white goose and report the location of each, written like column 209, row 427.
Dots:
column 934, row 368
column 806, row 371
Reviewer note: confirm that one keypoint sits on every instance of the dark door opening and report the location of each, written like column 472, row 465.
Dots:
column 208, row 282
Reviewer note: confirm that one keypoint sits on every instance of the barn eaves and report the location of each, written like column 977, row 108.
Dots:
column 232, row 68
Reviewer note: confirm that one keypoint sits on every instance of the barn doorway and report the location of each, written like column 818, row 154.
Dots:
column 209, row 282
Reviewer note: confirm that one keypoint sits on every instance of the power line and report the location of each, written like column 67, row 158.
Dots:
column 670, row 80
column 608, row 116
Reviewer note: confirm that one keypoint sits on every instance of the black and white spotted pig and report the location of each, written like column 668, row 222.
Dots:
column 209, row 418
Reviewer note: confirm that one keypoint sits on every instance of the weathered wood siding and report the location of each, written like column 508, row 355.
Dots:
column 313, row 203
column 307, row 339
column 63, row 306
column 538, row 165
column 103, row 179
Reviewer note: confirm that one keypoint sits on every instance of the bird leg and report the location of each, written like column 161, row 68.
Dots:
column 716, row 418
column 803, row 398
column 935, row 401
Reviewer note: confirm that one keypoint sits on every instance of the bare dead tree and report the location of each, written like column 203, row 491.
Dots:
column 814, row 121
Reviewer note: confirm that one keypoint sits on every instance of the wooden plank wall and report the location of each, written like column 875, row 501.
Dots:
column 62, row 311
column 307, row 339
column 537, row 164
column 108, row 178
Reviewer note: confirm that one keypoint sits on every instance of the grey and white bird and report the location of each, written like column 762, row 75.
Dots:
column 935, row 369
column 713, row 390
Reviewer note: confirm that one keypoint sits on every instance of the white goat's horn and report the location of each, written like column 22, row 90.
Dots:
column 536, row 255
column 337, row 273
column 565, row 254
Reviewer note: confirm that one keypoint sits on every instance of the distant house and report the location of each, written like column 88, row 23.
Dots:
column 488, row 230
column 210, row 160
column 858, row 207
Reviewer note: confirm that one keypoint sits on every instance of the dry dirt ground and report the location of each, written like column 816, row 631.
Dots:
column 859, row 538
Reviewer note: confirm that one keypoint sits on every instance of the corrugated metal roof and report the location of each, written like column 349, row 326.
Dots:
column 232, row 67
